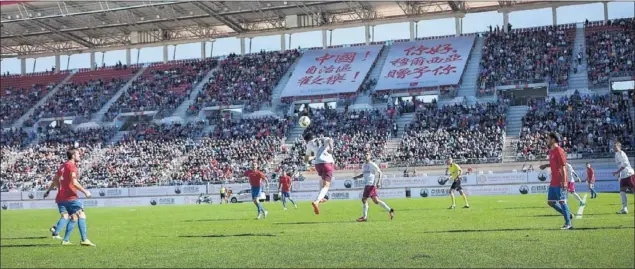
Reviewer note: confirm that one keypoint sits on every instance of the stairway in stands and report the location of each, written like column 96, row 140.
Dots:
column 98, row 117
column 181, row 110
column 468, row 79
column 579, row 80
column 277, row 91
column 374, row 73
column 116, row 138
column 18, row 123
column 294, row 133
column 514, row 123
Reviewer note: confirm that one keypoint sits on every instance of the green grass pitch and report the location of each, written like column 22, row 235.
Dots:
column 498, row 231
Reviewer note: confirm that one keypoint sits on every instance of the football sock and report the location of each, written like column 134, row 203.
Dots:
column 259, row 207
column 624, row 201
column 284, row 202
column 453, row 200
column 384, row 205
column 322, row 193
column 81, row 223
column 69, row 229
column 61, row 223
column 465, row 199
column 577, row 196
column 365, row 211
column 293, row 202
column 566, row 213
column 557, row 207
column 593, row 193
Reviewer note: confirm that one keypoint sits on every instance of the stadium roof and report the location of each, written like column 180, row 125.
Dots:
column 34, row 28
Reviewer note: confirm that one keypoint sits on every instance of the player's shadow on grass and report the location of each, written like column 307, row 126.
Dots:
column 196, row 220
column 27, row 245
column 529, row 229
column 24, row 238
column 226, row 235
column 556, row 215
column 314, row 222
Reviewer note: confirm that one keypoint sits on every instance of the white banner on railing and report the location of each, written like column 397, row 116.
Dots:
column 425, row 63
column 11, row 196
column 331, row 71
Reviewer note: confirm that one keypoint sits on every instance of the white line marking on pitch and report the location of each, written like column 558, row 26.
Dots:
column 581, row 209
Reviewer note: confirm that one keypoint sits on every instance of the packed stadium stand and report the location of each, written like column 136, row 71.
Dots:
column 399, row 129
column 610, row 50
column 20, row 93
column 245, row 80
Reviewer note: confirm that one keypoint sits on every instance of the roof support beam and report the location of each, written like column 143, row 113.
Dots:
column 230, row 23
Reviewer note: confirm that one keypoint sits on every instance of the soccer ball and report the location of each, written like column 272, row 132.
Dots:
column 304, row 121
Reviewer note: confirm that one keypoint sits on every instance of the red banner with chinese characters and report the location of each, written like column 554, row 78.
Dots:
column 331, row 71
column 425, row 63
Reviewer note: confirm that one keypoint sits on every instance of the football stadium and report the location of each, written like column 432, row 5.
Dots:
column 317, row 134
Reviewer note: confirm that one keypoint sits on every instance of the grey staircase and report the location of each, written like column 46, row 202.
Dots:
column 295, row 133
column 181, row 111
column 116, row 138
column 579, row 80
column 375, row 72
column 18, row 123
column 468, row 79
column 515, row 115
column 276, row 93
column 402, row 122
column 97, row 117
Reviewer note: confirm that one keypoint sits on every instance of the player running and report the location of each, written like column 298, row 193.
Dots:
column 320, row 150
column 590, row 179
column 455, row 175
column 68, row 203
column 625, row 174
column 369, row 169
column 284, row 188
column 558, row 186
column 571, row 187
column 255, row 178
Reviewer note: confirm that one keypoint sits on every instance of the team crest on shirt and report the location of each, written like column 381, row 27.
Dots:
column 524, row 189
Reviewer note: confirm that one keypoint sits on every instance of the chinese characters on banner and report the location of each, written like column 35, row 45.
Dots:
column 331, row 71
column 425, row 63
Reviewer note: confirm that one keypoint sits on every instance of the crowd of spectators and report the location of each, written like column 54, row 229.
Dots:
column 588, row 124
column 355, row 133
column 469, row 134
column 16, row 102
column 245, row 80
column 79, row 99
column 224, row 155
column 527, row 56
column 610, row 51
column 143, row 156
column 15, row 138
column 162, row 87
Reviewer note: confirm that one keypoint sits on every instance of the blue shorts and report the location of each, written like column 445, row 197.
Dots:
column 286, row 194
column 556, row 194
column 255, row 192
column 70, row 207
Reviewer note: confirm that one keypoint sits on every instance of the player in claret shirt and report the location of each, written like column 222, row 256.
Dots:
column 557, row 194
column 590, row 179
column 284, row 188
column 68, row 203
column 369, row 169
